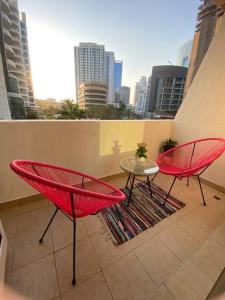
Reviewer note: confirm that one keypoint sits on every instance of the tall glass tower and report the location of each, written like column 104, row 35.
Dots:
column 118, row 74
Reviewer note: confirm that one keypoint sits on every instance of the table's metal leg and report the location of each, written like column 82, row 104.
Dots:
column 149, row 185
column 131, row 188
column 128, row 179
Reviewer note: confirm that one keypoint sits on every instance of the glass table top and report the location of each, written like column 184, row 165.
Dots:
column 139, row 168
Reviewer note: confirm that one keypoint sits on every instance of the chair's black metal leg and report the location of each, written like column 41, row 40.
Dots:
column 41, row 239
column 119, row 216
column 131, row 189
column 169, row 190
column 154, row 176
column 203, row 198
column 188, row 181
column 74, row 240
column 128, row 179
column 74, row 252
column 149, row 185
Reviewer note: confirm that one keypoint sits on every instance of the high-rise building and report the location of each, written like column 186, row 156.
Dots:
column 26, row 57
column 208, row 19
column 109, row 75
column 118, row 74
column 94, row 64
column 4, row 104
column 165, row 91
column 14, row 45
column 124, row 95
column 141, row 95
column 184, row 53
column 92, row 94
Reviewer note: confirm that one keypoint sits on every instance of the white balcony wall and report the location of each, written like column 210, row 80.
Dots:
column 93, row 147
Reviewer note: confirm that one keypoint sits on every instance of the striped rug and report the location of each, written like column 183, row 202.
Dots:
column 142, row 213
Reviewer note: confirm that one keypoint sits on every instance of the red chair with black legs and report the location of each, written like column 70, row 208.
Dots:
column 76, row 194
column 190, row 159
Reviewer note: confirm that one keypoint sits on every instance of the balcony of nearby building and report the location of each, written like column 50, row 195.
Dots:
column 180, row 257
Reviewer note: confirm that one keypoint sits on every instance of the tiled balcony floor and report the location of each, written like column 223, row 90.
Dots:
column 179, row 258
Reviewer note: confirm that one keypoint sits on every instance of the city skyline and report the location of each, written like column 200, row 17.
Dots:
column 138, row 43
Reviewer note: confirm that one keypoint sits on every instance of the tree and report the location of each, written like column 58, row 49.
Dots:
column 71, row 110
column 32, row 115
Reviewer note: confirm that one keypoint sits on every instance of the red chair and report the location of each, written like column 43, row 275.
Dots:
column 190, row 159
column 75, row 194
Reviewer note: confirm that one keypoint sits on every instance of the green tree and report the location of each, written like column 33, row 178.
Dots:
column 32, row 115
column 71, row 110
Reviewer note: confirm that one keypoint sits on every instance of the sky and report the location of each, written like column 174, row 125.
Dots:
column 142, row 33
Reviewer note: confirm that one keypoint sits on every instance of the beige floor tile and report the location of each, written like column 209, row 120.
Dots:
column 157, row 259
column 107, row 252
column 37, row 280
column 10, row 212
column 196, row 227
column 93, row 224
column 28, row 249
column 209, row 215
column 180, row 242
column 33, row 205
column 34, row 220
column 219, row 235
column 162, row 293
column 119, row 182
column 210, row 259
column 22, row 208
column 127, row 279
column 62, row 231
column 94, row 288
column 189, row 283
column 10, row 226
column 218, row 291
column 86, row 264
column 9, row 256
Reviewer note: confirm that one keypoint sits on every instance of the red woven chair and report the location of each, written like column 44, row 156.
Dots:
column 75, row 194
column 190, row 159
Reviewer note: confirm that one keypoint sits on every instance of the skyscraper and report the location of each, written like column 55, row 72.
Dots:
column 109, row 75
column 13, row 41
column 124, row 95
column 141, row 95
column 165, row 91
column 94, row 64
column 184, row 53
column 118, row 74
column 26, row 57
column 4, row 104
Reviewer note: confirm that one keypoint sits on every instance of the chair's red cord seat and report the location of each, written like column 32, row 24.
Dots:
column 90, row 194
column 191, row 158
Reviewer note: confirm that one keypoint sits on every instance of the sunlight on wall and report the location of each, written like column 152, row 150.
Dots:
column 120, row 136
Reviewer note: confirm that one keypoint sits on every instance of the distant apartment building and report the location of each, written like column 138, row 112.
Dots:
column 124, row 95
column 208, row 19
column 118, row 74
column 4, row 104
column 92, row 94
column 94, row 64
column 165, row 91
column 140, row 95
column 184, row 53
column 15, row 59
column 109, row 75
column 26, row 56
